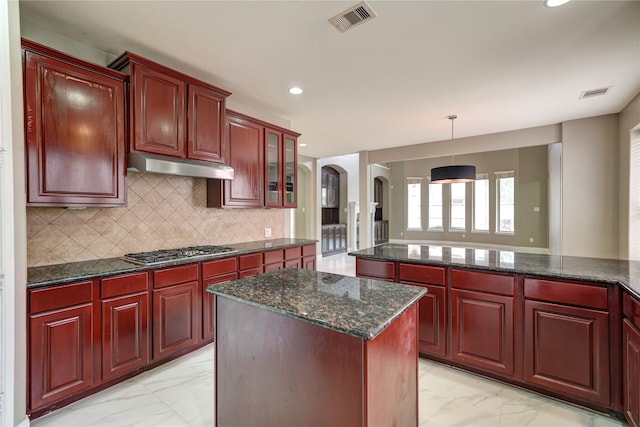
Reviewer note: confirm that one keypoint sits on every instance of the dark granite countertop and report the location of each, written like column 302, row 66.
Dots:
column 611, row 271
column 359, row 307
column 83, row 270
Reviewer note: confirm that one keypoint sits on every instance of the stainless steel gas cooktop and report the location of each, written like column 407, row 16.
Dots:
column 165, row 255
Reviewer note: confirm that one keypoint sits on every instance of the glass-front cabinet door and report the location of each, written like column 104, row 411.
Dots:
column 290, row 171
column 273, row 171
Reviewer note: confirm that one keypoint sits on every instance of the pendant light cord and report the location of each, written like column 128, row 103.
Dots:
column 452, row 118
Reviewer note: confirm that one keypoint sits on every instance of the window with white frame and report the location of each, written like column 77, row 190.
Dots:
column 481, row 203
column 414, row 203
column 505, row 197
column 435, row 207
column 457, row 212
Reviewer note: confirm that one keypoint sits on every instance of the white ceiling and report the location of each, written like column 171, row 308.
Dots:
column 498, row 65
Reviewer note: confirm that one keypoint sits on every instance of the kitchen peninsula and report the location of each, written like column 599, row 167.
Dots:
column 567, row 327
column 299, row 347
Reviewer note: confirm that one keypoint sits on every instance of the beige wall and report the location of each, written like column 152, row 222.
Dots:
column 530, row 166
column 590, row 187
column 629, row 119
column 521, row 138
column 13, row 272
column 163, row 211
column 594, row 178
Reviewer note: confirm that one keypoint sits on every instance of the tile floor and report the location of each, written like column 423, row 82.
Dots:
column 180, row 394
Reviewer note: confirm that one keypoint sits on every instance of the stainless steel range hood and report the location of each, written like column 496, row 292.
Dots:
column 145, row 162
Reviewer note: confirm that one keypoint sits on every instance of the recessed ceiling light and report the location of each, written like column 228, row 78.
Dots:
column 554, row 3
column 295, row 90
column 302, row 144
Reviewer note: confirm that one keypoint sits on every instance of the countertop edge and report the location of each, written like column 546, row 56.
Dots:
column 128, row 267
column 546, row 274
column 365, row 335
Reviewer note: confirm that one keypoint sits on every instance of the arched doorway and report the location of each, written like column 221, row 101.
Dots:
column 333, row 230
column 381, row 215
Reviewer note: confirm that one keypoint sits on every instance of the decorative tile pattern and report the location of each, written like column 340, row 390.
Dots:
column 162, row 212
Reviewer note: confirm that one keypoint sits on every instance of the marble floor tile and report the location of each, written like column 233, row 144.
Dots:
column 339, row 264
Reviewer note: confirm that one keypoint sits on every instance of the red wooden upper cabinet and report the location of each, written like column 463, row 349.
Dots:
column 280, row 155
column 75, row 130
column 173, row 114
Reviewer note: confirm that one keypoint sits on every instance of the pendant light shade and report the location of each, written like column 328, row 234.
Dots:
column 453, row 173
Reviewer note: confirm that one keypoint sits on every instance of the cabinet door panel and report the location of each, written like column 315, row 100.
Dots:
column 206, row 125
column 159, row 112
column 567, row 350
column 482, row 331
column 290, row 178
column 432, row 320
column 61, row 354
column 125, row 334
column 75, row 134
column 273, row 168
column 309, row 262
column 174, row 322
column 209, row 304
column 631, row 373
column 246, row 159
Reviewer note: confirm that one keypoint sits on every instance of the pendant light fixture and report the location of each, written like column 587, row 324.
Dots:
column 453, row 173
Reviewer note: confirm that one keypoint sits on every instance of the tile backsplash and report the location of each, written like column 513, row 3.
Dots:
column 162, row 212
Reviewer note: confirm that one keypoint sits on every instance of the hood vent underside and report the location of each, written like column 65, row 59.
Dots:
column 144, row 162
column 352, row 17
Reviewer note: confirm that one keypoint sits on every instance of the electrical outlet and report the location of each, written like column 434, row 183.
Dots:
column 530, row 239
column 267, row 232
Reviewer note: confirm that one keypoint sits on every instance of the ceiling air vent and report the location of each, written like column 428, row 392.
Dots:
column 594, row 92
column 352, row 17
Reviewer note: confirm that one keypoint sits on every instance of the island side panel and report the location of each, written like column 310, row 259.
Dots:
column 274, row 370
column 392, row 373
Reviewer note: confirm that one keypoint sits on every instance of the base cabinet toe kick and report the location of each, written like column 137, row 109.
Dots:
column 559, row 337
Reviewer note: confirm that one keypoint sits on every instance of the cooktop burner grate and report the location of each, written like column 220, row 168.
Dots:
column 165, row 255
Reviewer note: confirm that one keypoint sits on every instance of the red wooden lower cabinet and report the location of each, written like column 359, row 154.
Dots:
column 273, row 370
column 567, row 350
column 61, row 342
column 631, row 370
column 125, row 324
column 175, row 310
column 432, row 323
column 209, row 301
column 482, row 331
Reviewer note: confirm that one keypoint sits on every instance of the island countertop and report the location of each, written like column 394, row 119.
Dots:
column 613, row 271
column 359, row 307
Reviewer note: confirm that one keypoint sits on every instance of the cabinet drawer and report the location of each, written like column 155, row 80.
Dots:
column 631, row 308
column 272, row 257
column 250, row 261
column 485, row 282
column 292, row 253
column 380, row 269
column 308, row 250
column 566, row 293
column 124, row 285
column 221, row 266
column 421, row 274
column 46, row 299
column 175, row 275
column 250, row 272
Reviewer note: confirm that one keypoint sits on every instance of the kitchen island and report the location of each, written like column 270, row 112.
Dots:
column 304, row 348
